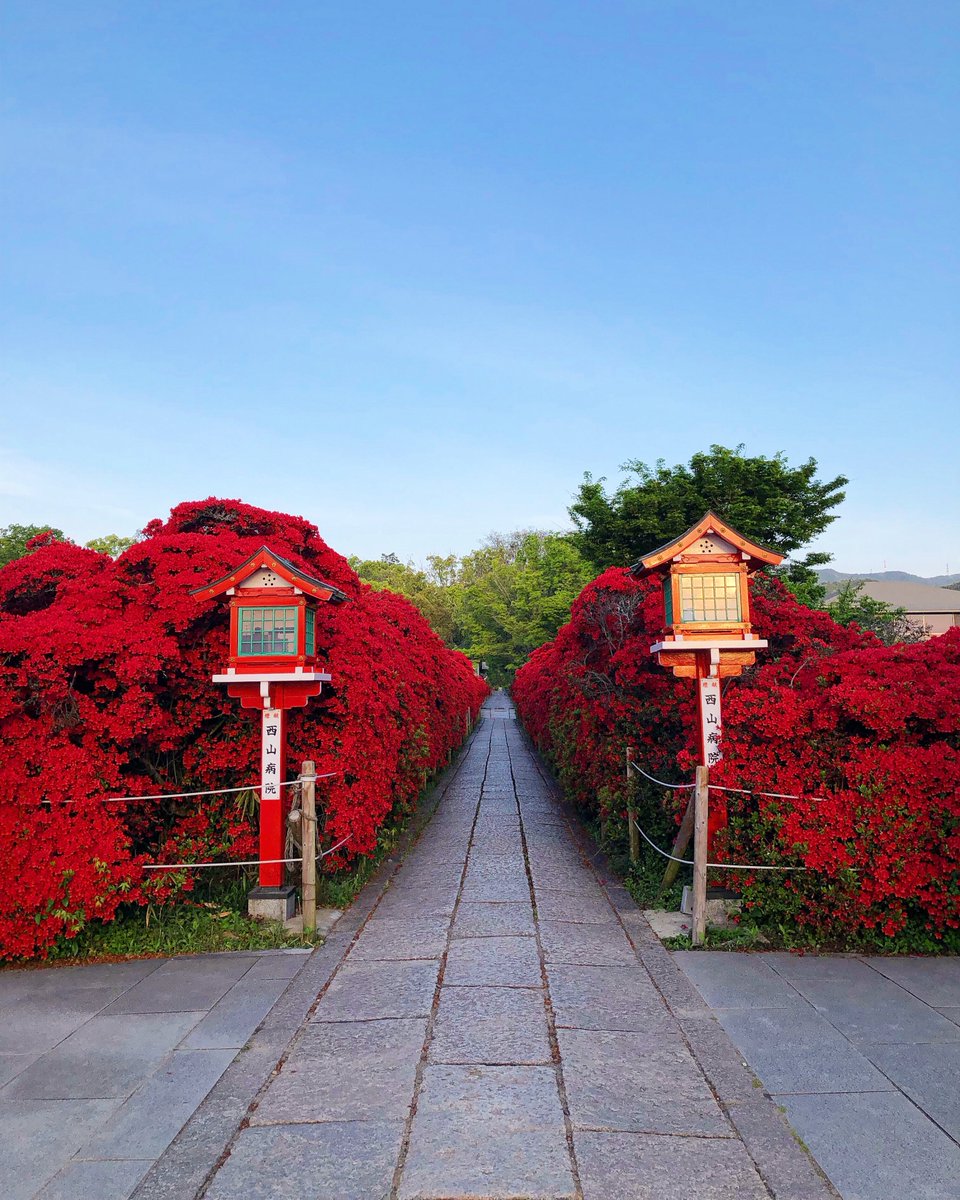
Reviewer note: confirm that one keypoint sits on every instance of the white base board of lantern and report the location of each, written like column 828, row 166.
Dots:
column 272, row 903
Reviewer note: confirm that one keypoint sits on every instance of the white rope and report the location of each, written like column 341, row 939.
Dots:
column 712, row 866
column 253, row 862
column 658, row 782
column 250, row 787
column 715, row 787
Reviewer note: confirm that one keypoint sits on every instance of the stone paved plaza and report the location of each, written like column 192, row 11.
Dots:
column 863, row 1053
column 101, row 1066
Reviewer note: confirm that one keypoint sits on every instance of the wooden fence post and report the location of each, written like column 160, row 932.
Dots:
column 308, row 807
column 701, row 803
column 632, row 813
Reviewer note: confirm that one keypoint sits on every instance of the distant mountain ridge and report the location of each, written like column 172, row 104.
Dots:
column 829, row 575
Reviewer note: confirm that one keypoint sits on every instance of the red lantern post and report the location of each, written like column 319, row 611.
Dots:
column 272, row 667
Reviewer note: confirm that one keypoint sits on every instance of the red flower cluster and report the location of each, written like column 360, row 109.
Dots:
column 105, row 690
column 867, row 736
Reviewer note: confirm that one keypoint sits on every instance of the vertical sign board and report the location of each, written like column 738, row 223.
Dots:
column 711, row 721
column 272, row 771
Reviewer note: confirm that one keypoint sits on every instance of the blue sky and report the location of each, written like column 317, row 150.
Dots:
column 410, row 269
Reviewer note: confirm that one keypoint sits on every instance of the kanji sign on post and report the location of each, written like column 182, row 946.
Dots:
column 711, row 721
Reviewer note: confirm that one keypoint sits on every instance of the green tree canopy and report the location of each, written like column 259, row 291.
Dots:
column 111, row 543
column 433, row 591
column 766, row 499
column 516, row 592
column 14, row 538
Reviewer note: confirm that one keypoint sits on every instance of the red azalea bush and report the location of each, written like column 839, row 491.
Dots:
column 867, row 736
column 105, row 691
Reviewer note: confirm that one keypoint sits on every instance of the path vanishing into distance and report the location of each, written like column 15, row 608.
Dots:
column 495, row 1019
column 492, row 1017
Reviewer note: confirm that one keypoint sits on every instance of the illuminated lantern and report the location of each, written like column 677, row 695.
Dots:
column 707, row 633
column 272, row 667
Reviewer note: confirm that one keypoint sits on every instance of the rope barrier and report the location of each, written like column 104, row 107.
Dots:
column 250, row 787
column 688, row 862
column 716, row 787
column 253, row 862
column 658, row 782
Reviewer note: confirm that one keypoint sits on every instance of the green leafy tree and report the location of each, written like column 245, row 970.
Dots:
column 516, row 592
column 852, row 605
column 111, row 543
column 433, row 591
column 780, row 506
column 14, row 538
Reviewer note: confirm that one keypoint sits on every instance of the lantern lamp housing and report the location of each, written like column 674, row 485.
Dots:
column 273, row 614
column 706, row 596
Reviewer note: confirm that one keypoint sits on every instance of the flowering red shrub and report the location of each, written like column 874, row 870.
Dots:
column 105, row 690
column 867, row 736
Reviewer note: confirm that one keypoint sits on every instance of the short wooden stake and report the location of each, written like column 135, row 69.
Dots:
column 632, row 813
column 682, row 841
column 701, row 802
column 308, row 807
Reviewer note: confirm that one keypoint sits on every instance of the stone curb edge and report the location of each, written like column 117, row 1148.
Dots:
column 787, row 1168
column 184, row 1168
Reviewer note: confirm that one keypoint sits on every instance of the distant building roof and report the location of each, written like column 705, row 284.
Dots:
column 914, row 597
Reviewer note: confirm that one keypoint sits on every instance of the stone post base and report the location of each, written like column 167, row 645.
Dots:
column 272, row 903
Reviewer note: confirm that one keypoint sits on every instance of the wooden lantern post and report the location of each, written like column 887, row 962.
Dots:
column 272, row 667
column 707, row 637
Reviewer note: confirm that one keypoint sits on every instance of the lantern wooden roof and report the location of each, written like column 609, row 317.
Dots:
column 266, row 560
column 710, row 540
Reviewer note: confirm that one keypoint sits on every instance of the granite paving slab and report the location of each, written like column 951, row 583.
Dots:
column 596, row 945
column 151, row 1118
column 591, row 997
column 490, row 1025
column 587, row 909
column 494, row 961
column 928, row 1074
column 637, row 1082
column 876, row 1010
column 370, row 991
column 631, row 1166
column 332, row 1161
column 351, row 1071
column 232, row 1019
column 402, row 938
column 39, row 1138
column 490, row 1132
column 935, row 981
column 877, row 1146
column 490, row 919
column 106, row 1180
column 105, row 1059
column 190, row 984
column 738, row 981
column 798, row 1050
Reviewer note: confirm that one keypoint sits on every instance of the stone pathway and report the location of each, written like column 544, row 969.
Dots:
column 101, row 1066
column 500, row 1023
column 863, row 1053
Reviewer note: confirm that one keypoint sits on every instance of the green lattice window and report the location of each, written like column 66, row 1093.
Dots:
column 310, row 632
column 710, row 597
column 267, row 631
